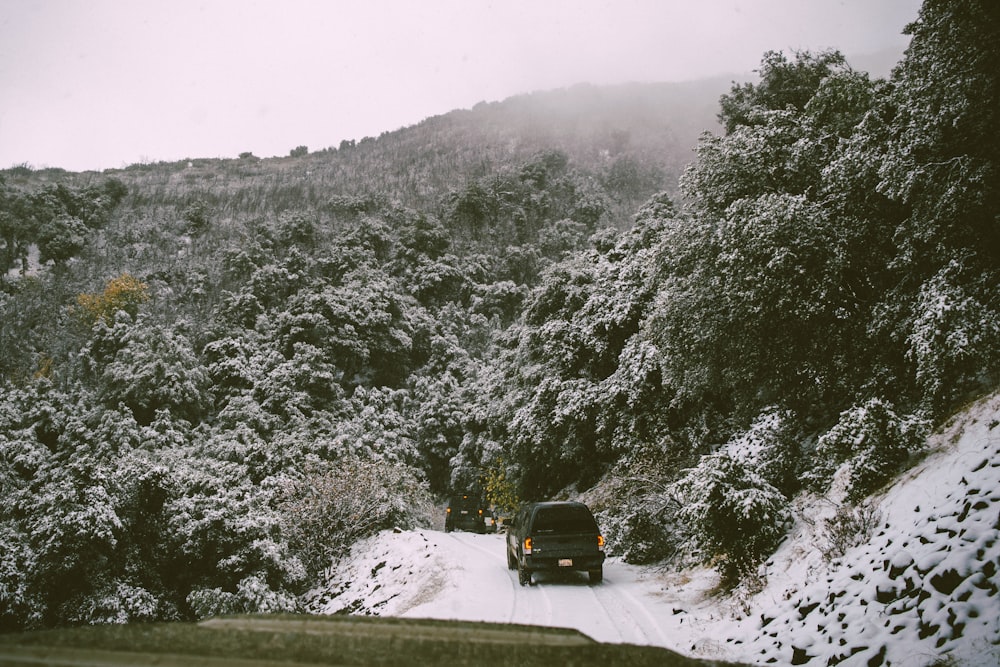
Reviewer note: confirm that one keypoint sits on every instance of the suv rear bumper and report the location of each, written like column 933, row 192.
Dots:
column 476, row 525
column 541, row 563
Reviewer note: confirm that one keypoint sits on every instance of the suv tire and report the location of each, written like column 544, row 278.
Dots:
column 523, row 576
column 596, row 576
column 511, row 561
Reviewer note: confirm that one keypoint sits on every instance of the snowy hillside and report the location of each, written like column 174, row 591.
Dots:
column 923, row 587
column 925, row 584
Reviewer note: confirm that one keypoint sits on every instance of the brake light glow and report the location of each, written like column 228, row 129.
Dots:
column 527, row 545
column 600, row 542
column 448, row 511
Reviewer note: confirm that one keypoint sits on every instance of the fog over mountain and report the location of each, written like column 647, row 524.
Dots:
column 104, row 84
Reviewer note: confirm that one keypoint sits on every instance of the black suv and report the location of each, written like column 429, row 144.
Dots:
column 555, row 536
column 465, row 512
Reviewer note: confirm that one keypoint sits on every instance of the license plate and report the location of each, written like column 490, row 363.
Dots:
column 565, row 562
column 465, row 511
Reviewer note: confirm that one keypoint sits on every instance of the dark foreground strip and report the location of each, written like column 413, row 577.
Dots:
column 32, row 656
column 339, row 641
column 483, row 634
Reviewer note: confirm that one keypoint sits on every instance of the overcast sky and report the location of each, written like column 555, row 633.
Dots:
column 95, row 84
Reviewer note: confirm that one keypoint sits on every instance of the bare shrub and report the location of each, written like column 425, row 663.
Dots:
column 847, row 528
column 333, row 505
column 742, row 596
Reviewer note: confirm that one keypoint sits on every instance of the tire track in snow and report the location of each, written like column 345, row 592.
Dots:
column 523, row 607
column 549, row 617
column 650, row 619
column 610, row 616
column 632, row 619
column 624, row 623
column 570, row 602
column 555, row 594
column 469, row 541
column 608, row 611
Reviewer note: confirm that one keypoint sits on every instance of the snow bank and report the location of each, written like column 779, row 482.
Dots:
column 386, row 575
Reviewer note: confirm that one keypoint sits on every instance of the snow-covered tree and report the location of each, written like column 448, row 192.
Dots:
column 733, row 515
column 873, row 440
column 155, row 368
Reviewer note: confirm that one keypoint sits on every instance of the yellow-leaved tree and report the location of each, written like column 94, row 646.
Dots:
column 499, row 489
column 125, row 292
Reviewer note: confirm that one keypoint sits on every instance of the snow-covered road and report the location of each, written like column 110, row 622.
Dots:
column 464, row 576
column 484, row 589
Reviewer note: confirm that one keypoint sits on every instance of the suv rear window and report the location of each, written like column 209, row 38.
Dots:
column 572, row 519
column 471, row 503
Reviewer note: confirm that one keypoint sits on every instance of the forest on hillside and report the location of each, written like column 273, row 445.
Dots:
column 216, row 375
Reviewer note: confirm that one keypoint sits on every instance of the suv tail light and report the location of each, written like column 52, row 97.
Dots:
column 600, row 542
column 527, row 546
